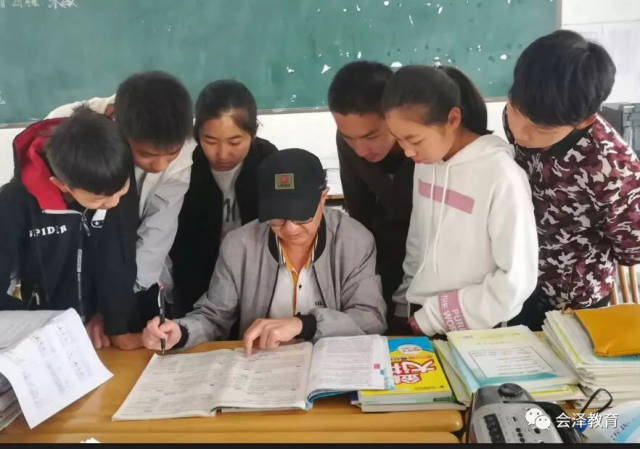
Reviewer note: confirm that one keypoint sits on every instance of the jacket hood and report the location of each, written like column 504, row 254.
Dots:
column 481, row 148
column 32, row 169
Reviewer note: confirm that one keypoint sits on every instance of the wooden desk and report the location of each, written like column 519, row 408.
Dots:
column 330, row 420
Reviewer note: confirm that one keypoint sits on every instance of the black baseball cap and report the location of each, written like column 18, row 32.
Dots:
column 290, row 183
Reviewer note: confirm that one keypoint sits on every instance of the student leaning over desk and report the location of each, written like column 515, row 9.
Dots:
column 223, row 191
column 376, row 176
column 64, row 222
column 300, row 271
column 154, row 112
column 472, row 249
column 584, row 178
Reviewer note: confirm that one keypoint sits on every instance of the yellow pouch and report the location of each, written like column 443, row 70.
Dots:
column 614, row 331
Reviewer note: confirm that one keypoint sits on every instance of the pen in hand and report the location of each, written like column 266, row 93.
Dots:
column 163, row 342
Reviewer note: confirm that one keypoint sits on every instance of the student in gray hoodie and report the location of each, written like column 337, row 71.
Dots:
column 298, row 272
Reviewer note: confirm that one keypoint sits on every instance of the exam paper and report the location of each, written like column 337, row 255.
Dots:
column 18, row 324
column 52, row 367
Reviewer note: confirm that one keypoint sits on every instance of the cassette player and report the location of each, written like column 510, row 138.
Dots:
column 508, row 414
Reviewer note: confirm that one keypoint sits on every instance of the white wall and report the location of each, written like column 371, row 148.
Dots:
column 614, row 23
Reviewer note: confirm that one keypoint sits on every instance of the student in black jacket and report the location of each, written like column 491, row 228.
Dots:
column 65, row 237
column 222, row 192
column 377, row 178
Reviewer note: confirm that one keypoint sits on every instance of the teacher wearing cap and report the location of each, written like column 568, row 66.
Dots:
column 298, row 272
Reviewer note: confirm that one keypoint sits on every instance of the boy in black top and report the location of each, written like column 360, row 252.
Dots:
column 377, row 178
column 63, row 238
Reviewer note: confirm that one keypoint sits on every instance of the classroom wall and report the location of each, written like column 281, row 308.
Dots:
column 614, row 23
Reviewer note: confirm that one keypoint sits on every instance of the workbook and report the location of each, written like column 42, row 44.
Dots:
column 419, row 380
column 507, row 354
column 289, row 377
column 455, row 374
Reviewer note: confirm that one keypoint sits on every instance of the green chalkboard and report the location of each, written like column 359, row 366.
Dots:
column 56, row 51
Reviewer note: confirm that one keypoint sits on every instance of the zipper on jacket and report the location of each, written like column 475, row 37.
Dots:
column 315, row 274
column 35, row 296
column 84, row 230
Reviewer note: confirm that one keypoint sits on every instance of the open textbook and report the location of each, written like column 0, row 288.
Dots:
column 289, row 377
column 46, row 362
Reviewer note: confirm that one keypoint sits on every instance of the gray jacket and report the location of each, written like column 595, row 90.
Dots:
column 245, row 275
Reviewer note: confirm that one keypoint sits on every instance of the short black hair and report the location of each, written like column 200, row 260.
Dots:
column 437, row 89
column 357, row 88
column 88, row 151
column 154, row 107
column 224, row 96
column 561, row 79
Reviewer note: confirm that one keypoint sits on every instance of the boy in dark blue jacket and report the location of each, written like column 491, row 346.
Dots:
column 65, row 231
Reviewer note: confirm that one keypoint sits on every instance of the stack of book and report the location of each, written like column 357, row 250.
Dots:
column 479, row 358
column 419, row 381
column 9, row 406
column 619, row 375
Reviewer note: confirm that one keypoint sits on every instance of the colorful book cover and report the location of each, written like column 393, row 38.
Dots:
column 415, row 368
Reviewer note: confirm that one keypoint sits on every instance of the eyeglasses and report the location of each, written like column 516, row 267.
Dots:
column 281, row 221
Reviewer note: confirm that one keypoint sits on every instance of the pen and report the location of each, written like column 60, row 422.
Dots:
column 163, row 342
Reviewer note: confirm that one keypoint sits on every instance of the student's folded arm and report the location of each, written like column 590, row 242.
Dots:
column 12, row 228
column 363, row 307
column 158, row 227
column 621, row 200
column 501, row 294
column 216, row 311
column 359, row 201
column 414, row 254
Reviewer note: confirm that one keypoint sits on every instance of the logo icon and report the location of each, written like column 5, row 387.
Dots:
column 409, row 349
column 284, row 181
column 536, row 417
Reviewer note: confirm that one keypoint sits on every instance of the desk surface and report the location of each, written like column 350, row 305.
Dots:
column 330, row 419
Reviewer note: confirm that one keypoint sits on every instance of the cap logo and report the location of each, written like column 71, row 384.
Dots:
column 284, row 181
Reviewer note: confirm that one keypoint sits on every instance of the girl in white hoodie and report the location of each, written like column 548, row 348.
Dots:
column 472, row 249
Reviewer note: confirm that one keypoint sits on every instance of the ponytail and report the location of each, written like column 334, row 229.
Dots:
column 437, row 90
column 474, row 109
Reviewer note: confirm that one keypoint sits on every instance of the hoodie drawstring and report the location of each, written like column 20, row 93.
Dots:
column 429, row 217
column 440, row 217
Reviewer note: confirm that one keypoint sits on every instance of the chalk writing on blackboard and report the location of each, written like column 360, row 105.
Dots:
column 55, row 4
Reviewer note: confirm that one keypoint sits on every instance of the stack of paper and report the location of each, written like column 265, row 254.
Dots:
column 478, row 358
column 419, row 380
column 619, row 375
column 46, row 363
